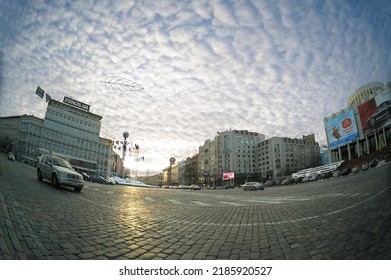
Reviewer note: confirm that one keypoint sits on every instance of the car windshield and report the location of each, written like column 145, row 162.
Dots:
column 61, row 162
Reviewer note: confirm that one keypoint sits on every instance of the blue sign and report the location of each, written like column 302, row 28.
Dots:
column 342, row 129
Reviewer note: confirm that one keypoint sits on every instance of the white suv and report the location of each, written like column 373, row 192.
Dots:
column 253, row 186
column 59, row 172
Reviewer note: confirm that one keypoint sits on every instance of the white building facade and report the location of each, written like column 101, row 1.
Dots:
column 279, row 157
column 68, row 130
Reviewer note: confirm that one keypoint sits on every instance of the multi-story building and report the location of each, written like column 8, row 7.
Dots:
column 68, row 130
column 281, row 156
column 208, row 161
column 21, row 134
column 171, row 174
column 362, row 128
column 229, row 151
column 182, row 172
column 191, row 170
column 248, row 156
column 236, row 153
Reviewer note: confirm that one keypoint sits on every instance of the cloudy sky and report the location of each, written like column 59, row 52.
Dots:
column 275, row 67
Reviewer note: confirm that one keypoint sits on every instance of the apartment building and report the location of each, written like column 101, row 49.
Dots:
column 281, row 156
column 228, row 151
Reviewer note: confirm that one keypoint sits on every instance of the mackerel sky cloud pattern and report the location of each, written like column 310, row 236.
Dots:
column 274, row 67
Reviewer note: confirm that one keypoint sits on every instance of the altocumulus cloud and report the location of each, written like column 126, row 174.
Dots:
column 275, row 67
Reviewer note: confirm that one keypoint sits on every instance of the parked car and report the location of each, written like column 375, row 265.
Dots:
column 345, row 171
column 115, row 179
column 373, row 163
column 11, row 156
column 194, row 187
column 365, row 166
column 336, row 174
column 109, row 180
column 253, row 186
column 306, row 179
column 288, row 181
column 85, row 176
column 316, row 177
column 59, row 172
column 98, row 179
column 298, row 180
column 270, row 183
column 356, row 169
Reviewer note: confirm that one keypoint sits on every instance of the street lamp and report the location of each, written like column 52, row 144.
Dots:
column 125, row 135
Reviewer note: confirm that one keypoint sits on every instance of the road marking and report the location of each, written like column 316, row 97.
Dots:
column 173, row 201
column 149, row 198
column 201, row 203
column 293, row 220
column 231, row 203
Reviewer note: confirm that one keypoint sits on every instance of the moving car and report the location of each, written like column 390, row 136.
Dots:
column 253, row 186
column 59, row 172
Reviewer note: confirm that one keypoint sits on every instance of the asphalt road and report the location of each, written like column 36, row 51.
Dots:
column 345, row 218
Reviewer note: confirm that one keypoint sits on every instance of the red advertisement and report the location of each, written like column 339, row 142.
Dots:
column 366, row 110
column 228, row 176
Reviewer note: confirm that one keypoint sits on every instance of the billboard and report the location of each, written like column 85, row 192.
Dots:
column 342, row 129
column 375, row 114
column 228, row 176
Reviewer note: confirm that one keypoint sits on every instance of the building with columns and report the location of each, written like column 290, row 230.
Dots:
column 364, row 126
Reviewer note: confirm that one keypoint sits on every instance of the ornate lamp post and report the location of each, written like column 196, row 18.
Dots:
column 125, row 135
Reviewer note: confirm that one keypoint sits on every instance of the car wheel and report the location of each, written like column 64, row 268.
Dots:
column 55, row 180
column 253, row 189
column 39, row 175
column 77, row 189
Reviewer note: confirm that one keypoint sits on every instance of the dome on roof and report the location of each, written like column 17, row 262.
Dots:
column 363, row 92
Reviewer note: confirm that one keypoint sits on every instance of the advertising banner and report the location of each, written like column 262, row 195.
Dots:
column 228, row 176
column 375, row 114
column 342, row 129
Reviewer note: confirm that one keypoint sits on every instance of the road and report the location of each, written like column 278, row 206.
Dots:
column 345, row 218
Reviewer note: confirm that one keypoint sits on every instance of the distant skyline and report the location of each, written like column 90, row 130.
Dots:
column 273, row 67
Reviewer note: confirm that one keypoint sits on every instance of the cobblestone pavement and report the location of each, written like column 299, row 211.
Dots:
column 346, row 218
